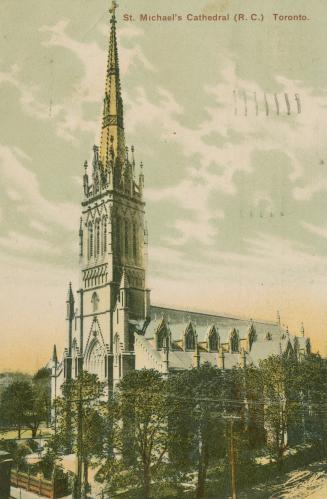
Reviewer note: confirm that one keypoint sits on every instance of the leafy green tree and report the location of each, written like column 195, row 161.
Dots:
column 39, row 408
column 200, row 398
column 279, row 383
column 17, row 451
column 139, row 427
column 42, row 386
column 80, row 424
column 16, row 404
column 312, row 387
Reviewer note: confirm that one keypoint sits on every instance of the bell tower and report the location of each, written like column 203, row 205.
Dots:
column 112, row 239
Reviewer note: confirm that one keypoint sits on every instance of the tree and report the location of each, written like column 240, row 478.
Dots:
column 279, row 383
column 198, row 423
column 80, row 424
column 140, row 432
column 42, row 384
column 16, row 404
column 39, row 409
column 312, row 387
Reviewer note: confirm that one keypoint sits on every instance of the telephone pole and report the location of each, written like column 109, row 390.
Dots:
column 232, row 454
column 232, row 460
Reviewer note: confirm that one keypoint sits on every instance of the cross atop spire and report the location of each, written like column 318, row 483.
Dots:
column 113, row 8
column 112, row 122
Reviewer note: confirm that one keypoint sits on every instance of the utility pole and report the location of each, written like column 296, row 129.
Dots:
column 232, row 454
column 232, row 459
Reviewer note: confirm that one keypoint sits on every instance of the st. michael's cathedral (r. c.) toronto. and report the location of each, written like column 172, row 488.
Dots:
column 112, row 327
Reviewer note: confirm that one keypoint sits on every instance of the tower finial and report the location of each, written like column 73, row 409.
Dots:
column 113, row 8
column 54, row 354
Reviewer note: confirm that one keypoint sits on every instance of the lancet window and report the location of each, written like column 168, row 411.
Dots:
column 104, row 235
column 95, row 301
column 213, row 340
column 97, row 238
column 90, row 240
column 234, row 341
column 118, row 241
column 126, row 239
column 162, row 336
column 95, row 364
column 190, row 339
column 134, row 242
column 251, row 336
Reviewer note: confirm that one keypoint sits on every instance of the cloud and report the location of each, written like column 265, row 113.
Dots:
column 29, row 202
column 26, row 244
column 90, row 88
column 28, row 95
column 224, row 145
column 314, row 229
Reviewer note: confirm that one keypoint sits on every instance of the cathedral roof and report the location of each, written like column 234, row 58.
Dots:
column 270, row 339
column 179, row 319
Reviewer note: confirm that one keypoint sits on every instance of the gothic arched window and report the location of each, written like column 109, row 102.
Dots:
column 252, row 336
column 117, row 235
column 234, row 341
column 97, row 238
column 104, row 235
column 134, row 242
column 126, row 238
column 308, row 346
column 162, row 337
column 213, row 340
column 95, row 360
column 90, row 240
column 190, row 339
column 95, row 301
column 116, row 349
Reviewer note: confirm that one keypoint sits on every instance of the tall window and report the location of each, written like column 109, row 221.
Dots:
column 104, row 235
column 126, row 239
column 251, row 336
column 95, row 361
column 90, row 240
column 234, row 341
column 162, row 337
column 190, row 339
column 134, row 242
column 95, row 301
column 118, row 242
column 97, row 238
column 213, row 341
column 116, row 341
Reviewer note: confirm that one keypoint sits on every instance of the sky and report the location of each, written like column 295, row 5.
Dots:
column 236, row 199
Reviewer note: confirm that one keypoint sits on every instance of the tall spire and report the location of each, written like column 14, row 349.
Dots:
column 112, row 133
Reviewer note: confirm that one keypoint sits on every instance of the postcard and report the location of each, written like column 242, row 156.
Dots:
column 163, row 249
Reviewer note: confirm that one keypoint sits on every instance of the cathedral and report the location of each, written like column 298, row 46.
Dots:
column 112, row 327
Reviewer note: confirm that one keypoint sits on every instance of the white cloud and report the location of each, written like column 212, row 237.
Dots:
column 320, row 231
column 39, row 226
column 28, row 95
column 238, row 137
column 30, row 203
column 90, row 88
column 15, row 241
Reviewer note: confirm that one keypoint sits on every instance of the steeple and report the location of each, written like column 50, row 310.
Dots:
column 112, row 133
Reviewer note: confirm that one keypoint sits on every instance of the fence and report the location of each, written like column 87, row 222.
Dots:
column 53, row 490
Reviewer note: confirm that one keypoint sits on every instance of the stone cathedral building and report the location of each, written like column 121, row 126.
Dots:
column 112, row 327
